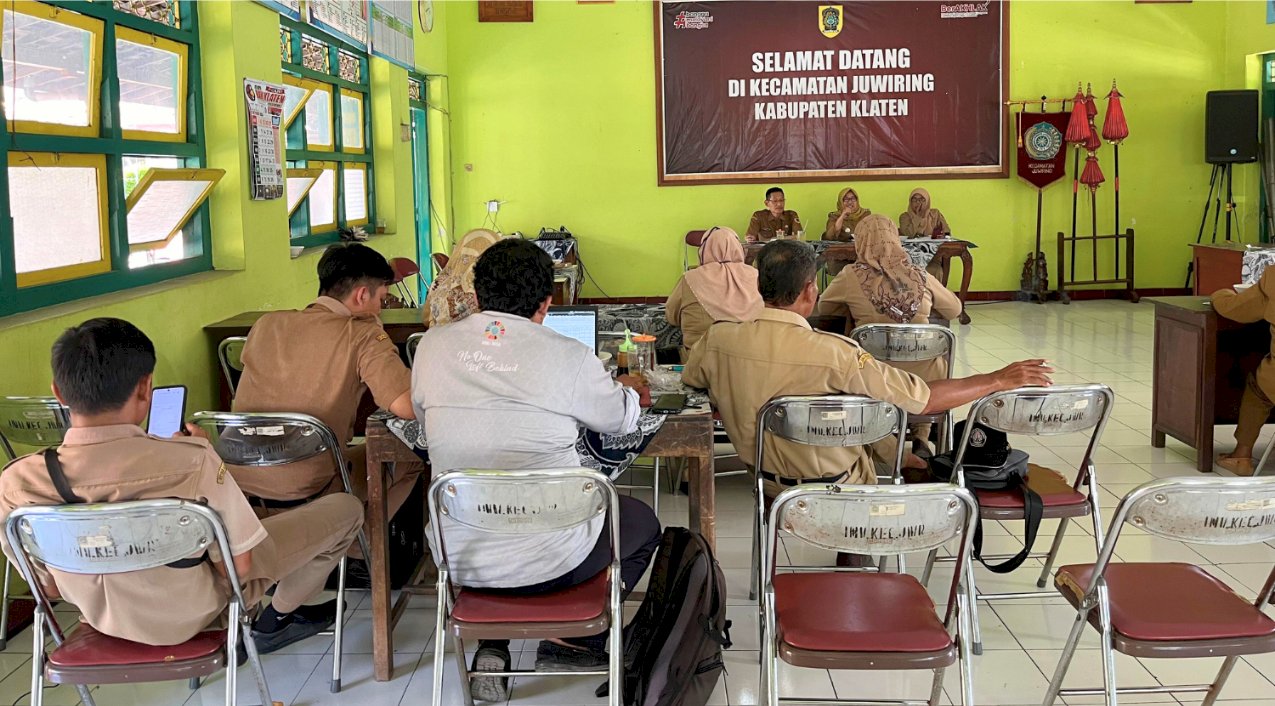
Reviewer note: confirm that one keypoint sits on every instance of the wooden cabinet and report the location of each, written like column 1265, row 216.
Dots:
column 1217, row 266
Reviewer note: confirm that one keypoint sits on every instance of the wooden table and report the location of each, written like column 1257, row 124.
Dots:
column 940, row 266
column 688, row 436
column 1202, row 361
column 1216, row 266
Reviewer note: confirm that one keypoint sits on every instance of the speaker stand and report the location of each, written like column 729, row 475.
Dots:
column 1223, row 172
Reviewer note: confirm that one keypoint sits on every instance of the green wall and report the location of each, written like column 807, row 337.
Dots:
column 557, row 117
column 1247, row 38
column 254, row 271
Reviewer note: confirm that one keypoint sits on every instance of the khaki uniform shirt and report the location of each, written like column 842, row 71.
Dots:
column 744, row 365
column 845, row 297
column 1254, row 304
column 160, row 606
column 317, row 361
column 765, row 226
column 684, row 310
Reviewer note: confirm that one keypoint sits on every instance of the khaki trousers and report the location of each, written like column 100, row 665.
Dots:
column 1255, row 409
column 303, row 548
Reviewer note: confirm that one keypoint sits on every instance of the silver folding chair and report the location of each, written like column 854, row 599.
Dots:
column 912, row 343
column 827, row 618
column 820, row 420
column 1036, row 411
column 413, row 341
column 266, row 440
column 1172, row 610
column 525, row 503
column 230, row 357
column 27, row 421
column 55, row 537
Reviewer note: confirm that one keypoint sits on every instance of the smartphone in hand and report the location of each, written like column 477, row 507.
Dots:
column 168, row 411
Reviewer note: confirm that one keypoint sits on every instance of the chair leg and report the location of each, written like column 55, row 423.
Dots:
column 963, row 624
column 440, row 624
column 770, row 655
column 258, row 671
column 615, row 665
column 936, row 689
column 1216, row 687
column 655, row 486
column 755, row 575
column 339, row 629
column 4, row 608
column 929, row 567
column 1053, row 553
column 459, row 645
column 971, row 591
column 232, row 653
column 1257, row 470
column 193, row 683
column 37, row 658
column 1064, row 660
column 1108, row 653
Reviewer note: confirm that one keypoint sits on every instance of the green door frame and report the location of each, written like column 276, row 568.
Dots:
column 420, row 184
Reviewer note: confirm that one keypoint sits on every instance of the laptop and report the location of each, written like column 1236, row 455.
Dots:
column 578, row 322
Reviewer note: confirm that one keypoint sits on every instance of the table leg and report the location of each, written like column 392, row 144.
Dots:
column 703, row 496
column 378, row 565
column 1204, row 449
column 967, row 271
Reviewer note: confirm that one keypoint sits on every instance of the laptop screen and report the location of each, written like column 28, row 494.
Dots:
column 578, row 322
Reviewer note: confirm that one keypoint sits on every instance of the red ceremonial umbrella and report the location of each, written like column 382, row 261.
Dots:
column 1077, row 134
column 1114, row 130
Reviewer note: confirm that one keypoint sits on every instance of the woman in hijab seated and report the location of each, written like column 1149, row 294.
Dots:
column 843, row 221
column 722, row 288
column 921, row 221
column 885, row 287
column 451, row 297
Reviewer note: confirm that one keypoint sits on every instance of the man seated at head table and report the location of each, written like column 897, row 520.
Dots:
column 103, row 371
column 884, row 286
column 320, row 361
column 498, row 390
column 920, row 220
column 722, row 288
column 1256, row 303
column 773, row 221
column 744, row 365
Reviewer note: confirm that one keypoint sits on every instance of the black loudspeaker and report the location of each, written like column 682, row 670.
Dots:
column 1230, row 127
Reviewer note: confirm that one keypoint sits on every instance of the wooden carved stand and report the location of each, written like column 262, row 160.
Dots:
column 1127, row 279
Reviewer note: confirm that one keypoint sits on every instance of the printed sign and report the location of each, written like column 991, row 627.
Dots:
column 265, row 119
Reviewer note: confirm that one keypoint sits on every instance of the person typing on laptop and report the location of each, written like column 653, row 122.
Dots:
column 498, row 390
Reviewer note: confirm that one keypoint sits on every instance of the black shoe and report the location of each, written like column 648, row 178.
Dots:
column 490, row 659
column 552, row 657
column 317, row 613
column 292, row 631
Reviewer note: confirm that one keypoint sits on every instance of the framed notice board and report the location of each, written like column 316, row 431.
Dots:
column 790, row 90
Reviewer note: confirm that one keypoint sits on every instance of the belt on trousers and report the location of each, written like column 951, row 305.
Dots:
column 282, row 504
column 783, row 480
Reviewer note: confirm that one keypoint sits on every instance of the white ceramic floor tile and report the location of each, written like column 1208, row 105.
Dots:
column 358, row 688
column 285, row 675
column 1002, row 677
column 1085, row 671
column 1244, row 683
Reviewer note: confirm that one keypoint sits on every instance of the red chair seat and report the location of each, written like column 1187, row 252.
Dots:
column 1050, row 485
column 1169, row 602
column 857, row 612
column 576, row 604
column 86, row 647
column 695, row 238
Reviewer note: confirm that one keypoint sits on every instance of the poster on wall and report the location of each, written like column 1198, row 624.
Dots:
column 775, row 90
column 288, row 8
column 343, row 19
column 392, row 31
column 265, row 158
column 1042, row 157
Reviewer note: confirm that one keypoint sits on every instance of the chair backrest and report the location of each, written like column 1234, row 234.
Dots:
column 695, row 238
column 404, row 267
column 1044, row 411
column 901, row 343
column 440, row 261
column 520, row 502
column 413, row 341
column 230, row 357
column 268, row 439
column 829, row 420
column 874, row 519
column 1227, row 511
column 32, row 421
column 112, row 538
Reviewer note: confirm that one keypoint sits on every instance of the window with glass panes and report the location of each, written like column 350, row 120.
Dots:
column 327, row 128
column 96, row 95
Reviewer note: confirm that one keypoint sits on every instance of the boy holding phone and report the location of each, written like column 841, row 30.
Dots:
column 102, row 371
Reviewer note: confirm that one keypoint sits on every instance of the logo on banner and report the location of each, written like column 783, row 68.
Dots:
column 1042, row 141
column 692, row 20
column 830, row 20
column 958, row 10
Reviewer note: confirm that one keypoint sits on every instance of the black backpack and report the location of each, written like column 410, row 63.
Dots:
column 673, row 646
column 1012, row 475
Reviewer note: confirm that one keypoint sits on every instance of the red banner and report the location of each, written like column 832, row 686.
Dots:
column 773, row 89
column 1042, row 156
